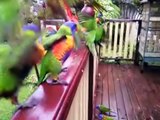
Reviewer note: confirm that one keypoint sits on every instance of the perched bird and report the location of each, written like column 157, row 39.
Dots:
column 94, row 32
column 68, row 28
column 103, row 109
column 104, row 117
column 87, row 19
column 58, row 50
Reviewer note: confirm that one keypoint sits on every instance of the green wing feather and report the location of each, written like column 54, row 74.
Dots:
column 90, row 24
column 104, row 109
column 63, row 31
column 90, row 38
column 99, row 33
column 49, row 65
column 7, row 81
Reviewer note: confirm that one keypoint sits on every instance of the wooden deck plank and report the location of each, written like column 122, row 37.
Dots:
column 144, row 92
column 126, row 96
column 141, row 95
column 131, row 101
column 112, row 95
column 99, row 86
column 134, row 101
column 119, row 95
column 153, row 81
column 126, row 91
column 105, row 98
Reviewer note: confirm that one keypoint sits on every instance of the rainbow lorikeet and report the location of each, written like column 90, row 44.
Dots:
column 16, row 63
column 59, row 50
column 15, row 66
column 53, row 60
column 105, row 111
column 94, row 32
column 104, row 117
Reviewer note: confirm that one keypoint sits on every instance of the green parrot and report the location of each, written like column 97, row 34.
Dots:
column 104, row 117
column 16, row 63
column 59, row 46
column 94, row 32
column 61, row 33
column 103, row 109
column 49, row 65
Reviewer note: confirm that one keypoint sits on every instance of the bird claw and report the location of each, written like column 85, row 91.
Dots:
column 57, row 82
column 111, row 114
column 64, row 69
column 23, row 106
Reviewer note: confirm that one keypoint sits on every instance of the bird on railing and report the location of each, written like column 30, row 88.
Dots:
column 59, row 46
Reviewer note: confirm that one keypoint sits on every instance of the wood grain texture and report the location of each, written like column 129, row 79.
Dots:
column 132, row 95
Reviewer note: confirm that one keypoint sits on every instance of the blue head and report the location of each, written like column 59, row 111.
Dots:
column 100, row 116
column 31, row 27
column 72, row 25
column 98, row 107
column 50, row 31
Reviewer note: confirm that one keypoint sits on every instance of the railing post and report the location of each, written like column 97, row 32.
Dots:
column 136, row 59
column 90, row 99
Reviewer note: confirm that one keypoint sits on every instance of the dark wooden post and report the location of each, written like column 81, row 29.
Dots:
column 90, row 100
column 136, row 59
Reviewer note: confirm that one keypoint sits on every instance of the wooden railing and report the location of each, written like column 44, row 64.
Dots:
column 71, row 102
column 121, row 39
column 79, row 106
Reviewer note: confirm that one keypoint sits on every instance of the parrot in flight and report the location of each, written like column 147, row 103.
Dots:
column 16, row 60
column 16, row 63
column 59, row 46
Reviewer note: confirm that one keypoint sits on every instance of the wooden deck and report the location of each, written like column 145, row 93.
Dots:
column 129, row 93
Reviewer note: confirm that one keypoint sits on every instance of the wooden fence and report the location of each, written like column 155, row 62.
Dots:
column 120, row 41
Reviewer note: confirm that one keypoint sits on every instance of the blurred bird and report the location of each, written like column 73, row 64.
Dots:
column 16, row 63
column 9, row 16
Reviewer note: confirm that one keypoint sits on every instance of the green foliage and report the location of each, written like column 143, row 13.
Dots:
column 6, row 109
column 136, row 2
column 113, row 11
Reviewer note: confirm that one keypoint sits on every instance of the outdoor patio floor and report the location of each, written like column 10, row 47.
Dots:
column 129, row 93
